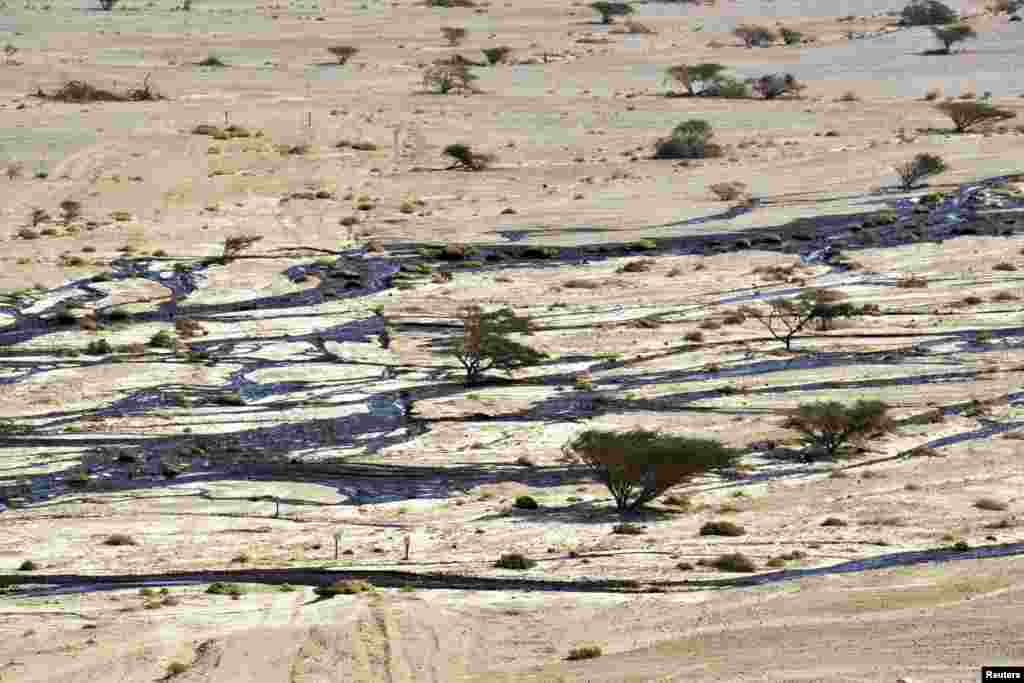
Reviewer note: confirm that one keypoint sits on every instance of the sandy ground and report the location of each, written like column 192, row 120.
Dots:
column 288, row 392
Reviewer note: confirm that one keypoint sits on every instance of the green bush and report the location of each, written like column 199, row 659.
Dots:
column 584, row 652
column 722, row 528
column 691, row 139
column 99, row 347
column 639, row 465
column 526, row 503
column 515, row 561
column 162, row 339
column 29, row 566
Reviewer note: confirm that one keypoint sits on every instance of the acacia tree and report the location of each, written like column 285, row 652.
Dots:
column 918, row 168
column 965, row 115
column 610, row 10
column 484, row 342
column 785, row 318
column 831, row 425
column 639, row 465
column 927, row 13
column 950, row 35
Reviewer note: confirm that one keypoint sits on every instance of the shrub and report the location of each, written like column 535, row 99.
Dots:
column 639, row 465
column 754, row 36
column 446, row 76
column 610, row 10
column 351, row 587
column 236, row 244
column 932, row 95
column 966, row 115
column 466, row 159
column 676, row 501
column 830, row 425
column 729, row 191
column 695, row 336
column 176, row 669
column 926, row 13
column 834, row 521
column 526, row 503
column 627, row 529
column 950, row 35
column 849, row 96
column 918, row 168
column 991, row 504
column 484, row 342
column 28, row 234
column 515, row 561
column 691, row 139
column 453, row 34
column 1004, row 266
column 771, row 86
column 107, row 5
column 734, row 562
column 99, row 347
column 343, row 53
column 912, row 282
column 28, row 566
column 497, row 55
column 70, row 210
column 220, row 588
column 213, row 61
column 791, row 37
column 119, row 539
column 722, row 528
column 584, row 652
column 162, row 340
column 696, row 79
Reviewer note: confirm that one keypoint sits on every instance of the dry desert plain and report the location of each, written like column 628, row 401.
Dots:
column 281, row 418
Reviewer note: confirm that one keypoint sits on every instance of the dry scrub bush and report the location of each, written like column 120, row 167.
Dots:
column 448, row 76
column 584, row 652
column 343, row 53
column 466, row 159
column 921, row 166
column 732, row 562
column 453, row 34
column 728, row 191
column 515, row 561
column 639, row 465
column 722, row 528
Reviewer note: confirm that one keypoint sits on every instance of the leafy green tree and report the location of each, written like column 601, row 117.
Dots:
column 610, row 10
column 484, row 342
column 829, row 425
column 951, row 35
column 639, row 465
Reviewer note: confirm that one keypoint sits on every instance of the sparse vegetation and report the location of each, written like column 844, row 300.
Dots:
column 639, row 465
column 446, row 76
column 829, row 425
column 691, row 139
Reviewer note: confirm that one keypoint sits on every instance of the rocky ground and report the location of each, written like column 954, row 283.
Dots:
column 280, row 418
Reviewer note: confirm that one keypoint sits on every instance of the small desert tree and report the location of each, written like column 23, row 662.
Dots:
column 453, row 34
column 771, row 86
column 754, row 36
column 966, row 114
column 466, row 159
column 830, row 425
column 639, row 465
column 497, row 55
column 927, row 13
column 449, row 75
column 918, row 168
column 785, row 318
column 343, row 53
column 691, row 139
column 610, row 10
column 484, row 342
column 951, row 35
column 235, row 245
column 696, row 78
